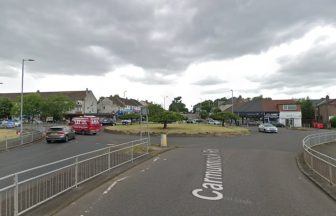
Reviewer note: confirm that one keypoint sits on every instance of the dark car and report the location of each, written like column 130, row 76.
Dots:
column 278, row 124
column 108, row 121
column 60, row 133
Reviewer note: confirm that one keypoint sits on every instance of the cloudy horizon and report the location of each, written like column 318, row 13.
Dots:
column 155, row 48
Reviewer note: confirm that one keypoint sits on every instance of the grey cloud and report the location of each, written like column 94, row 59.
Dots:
column 150, row 79
column 210, row 80
column 312, row 69
column 94, row 37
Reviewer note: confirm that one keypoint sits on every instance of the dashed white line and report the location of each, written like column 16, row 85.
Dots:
column 114, row 184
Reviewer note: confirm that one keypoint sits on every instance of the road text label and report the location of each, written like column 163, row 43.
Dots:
column 212, row 186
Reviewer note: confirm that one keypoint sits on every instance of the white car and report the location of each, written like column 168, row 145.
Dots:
column 267, row 128
column 214, row 122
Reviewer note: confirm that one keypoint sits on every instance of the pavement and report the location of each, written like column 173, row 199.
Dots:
column 327, row 149
column 248, row 175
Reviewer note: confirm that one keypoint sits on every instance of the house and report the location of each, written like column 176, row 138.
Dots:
column 287, row 112
column 118, row 105
column 325, row 110
column 85, row 101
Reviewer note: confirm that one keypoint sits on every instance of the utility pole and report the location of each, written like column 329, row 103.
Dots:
column 21, row 108
column 232, row 100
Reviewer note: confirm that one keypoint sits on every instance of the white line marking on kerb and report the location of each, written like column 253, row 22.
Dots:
column 114, row 184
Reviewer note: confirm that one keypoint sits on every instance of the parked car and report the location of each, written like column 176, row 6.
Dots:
column 278, row 124
column 60, row 133
column 86, row 125
column 267, row 128
column 108, row 121
column 189, row 121
column 10, row 124
column 17, row 123
column 126, row 121
column 214, row 122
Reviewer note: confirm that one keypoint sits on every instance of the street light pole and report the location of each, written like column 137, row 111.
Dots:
column 21, row 109
column 232, row 100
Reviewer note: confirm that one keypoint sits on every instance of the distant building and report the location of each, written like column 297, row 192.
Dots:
column 325, row 110
column 287, row 112
column 115, row 104
column 85, row 101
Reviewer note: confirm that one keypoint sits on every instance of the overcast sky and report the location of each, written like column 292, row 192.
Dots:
column 154, row 48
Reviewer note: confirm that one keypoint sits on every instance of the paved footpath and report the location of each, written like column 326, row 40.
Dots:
column 250, row 175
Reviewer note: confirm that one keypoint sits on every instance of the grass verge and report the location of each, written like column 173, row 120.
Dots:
column 7, row 133
column 180, row 129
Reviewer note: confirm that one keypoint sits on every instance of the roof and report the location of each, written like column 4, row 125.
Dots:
column 263, row 105
column 121, row 102
column 330, row 101
column 73, row 95
column 272, row 105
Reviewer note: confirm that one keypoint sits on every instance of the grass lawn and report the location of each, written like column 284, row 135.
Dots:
column 180, row 129
column 7, row 133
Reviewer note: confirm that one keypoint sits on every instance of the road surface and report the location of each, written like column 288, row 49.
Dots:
column 250, row 175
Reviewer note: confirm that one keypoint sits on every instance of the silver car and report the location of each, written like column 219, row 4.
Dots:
column 267, row 128
column 60, row 133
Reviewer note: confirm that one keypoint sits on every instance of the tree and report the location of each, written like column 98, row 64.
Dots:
column 56, row 106
column 158, row 114
column 168, row 117
column 131, row 116
column 154, row 110
column 307, row 110
column 224, row 116
column 178, row 106
column 32, row 105
column 5, row 107
column 333, row 122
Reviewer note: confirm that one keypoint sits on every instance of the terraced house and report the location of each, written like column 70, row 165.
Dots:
column 117, row 105
column 86, row 102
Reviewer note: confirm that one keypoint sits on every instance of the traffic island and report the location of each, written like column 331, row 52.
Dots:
column 180, row 130
column 315, row 178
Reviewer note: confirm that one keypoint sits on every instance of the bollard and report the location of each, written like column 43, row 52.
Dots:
column 164, row 140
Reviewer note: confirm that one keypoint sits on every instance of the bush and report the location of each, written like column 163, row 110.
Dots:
column 333, row 122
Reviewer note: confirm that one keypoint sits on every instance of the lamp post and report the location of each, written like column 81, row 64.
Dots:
column 125, row 93
column 232, row 100
column 21, row 109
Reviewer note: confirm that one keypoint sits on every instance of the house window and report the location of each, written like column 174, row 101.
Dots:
column 290, row 107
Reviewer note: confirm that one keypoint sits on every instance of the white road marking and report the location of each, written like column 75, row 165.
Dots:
column 165, row 159
column 155, row 159
column 114, row 184
column 142, row 170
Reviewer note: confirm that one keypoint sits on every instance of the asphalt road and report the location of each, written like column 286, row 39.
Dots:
column 258, row 176
column 40, row 153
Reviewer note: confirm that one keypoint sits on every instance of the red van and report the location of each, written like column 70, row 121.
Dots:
column 86, row 125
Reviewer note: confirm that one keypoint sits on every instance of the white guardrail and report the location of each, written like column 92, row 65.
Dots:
column 29, row 137
column 320, row 163
column 23, row 191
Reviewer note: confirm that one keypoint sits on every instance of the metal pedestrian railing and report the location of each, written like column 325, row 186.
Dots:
column 322, row 164
column 23, row 191
column 29, row 137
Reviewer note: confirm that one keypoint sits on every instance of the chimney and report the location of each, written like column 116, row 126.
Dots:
column 327, row 98
column 87, row 90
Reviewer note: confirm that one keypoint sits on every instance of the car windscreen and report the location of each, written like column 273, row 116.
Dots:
column 268, row 125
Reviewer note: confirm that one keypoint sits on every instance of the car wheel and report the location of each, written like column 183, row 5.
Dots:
column 83, row 132
column 48, row 141
column 66, row 139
